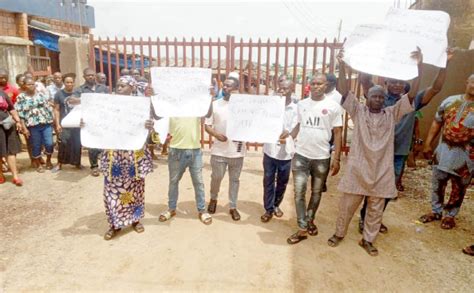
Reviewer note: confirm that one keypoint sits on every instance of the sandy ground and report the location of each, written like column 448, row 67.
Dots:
column 52, row 228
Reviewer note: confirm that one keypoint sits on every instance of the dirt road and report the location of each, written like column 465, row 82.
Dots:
column 52, row 228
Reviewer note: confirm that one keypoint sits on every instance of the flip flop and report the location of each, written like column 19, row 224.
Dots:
column 166, row 215
column 334, row 240
column 138, row 227
column 296, row 238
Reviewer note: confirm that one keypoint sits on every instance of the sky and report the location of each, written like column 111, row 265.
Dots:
column 242, row 19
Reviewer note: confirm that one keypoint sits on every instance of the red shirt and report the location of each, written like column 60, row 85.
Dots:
column 11, row 92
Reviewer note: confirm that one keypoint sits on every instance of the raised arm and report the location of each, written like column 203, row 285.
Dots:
column 418, row 56
column 342, row 86
column 438, row 82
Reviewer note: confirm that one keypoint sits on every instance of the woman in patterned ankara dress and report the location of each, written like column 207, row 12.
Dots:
column 124, row 178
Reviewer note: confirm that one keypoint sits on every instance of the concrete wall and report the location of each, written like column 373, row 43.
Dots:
column 459, row 69
column 13, row 55
column 74, row 57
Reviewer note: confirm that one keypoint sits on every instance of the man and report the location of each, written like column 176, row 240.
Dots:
column 404, row 128
column 281, row 79
column 369, row 171
column 11, row 91
column 124, row 72
column 331, row 91
column 225, row 154
column 453, row 159
column 277, row 158
column 135, row 73
column 56, row 86
column 90, row 86
column 317, row 117
column 101, row 78
column 185, row 152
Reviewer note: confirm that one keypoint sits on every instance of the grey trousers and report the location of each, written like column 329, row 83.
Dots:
column 373, row 217
column 219, row 165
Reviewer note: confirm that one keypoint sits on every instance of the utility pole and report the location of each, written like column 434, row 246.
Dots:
column 339, row 30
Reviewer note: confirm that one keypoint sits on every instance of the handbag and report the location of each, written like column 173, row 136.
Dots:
column 8, row 122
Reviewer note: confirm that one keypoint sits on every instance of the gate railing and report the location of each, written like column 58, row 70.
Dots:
column 259, row 63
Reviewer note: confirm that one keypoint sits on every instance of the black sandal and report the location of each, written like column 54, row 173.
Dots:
column 469, row 250
column 266, row 217
column 138, row 227
column 334, row 240
column 368, row 247
column 430, row 217
column 312, row 229
column 295, row 238
column 110, row 233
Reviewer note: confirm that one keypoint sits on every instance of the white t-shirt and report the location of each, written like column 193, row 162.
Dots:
column 335, row 96
column 317, row 119
column 283, row 151
column 218, row 120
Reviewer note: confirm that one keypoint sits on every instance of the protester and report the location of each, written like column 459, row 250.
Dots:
column 317, row 117
column 20, row 81
column 56, row 85
column 185, row 152
column 124, row 178
column 281, row 79
column 69, row 139
column 10, row 90
column 331, row 91
column 370, row 170
column 9, row 140
column 36, row 117
column 90, row 86
column 277, row 158
column 452, row 160
column 40, row 88
column 124, row 71
column 101, row 78
column 135, row 73
column 404, row 128
column 225, row 154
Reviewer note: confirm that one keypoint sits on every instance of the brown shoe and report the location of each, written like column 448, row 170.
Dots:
column 235, row 214
column 95, row 172
column 266, row 217
column 211, row 208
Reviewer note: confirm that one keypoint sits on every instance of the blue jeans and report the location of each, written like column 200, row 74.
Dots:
column 273, row 193
column 302, row 169
column 399, row 164
column 94, row 157
column 178, row 161
column 41, row 135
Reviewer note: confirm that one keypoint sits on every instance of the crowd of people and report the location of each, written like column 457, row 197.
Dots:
column 309, row 147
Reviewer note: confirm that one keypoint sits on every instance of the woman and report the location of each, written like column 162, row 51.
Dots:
column 69, row 138
column 36, row 117
column 124, row 178
column 9, row 140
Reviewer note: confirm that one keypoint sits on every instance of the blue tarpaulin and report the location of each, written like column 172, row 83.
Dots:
column 113, row 60
column 45, row 39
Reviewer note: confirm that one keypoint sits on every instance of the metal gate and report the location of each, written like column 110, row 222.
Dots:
column 259, row 63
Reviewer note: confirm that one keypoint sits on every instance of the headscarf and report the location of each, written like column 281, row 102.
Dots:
column 127, row 79
column 141, row 87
